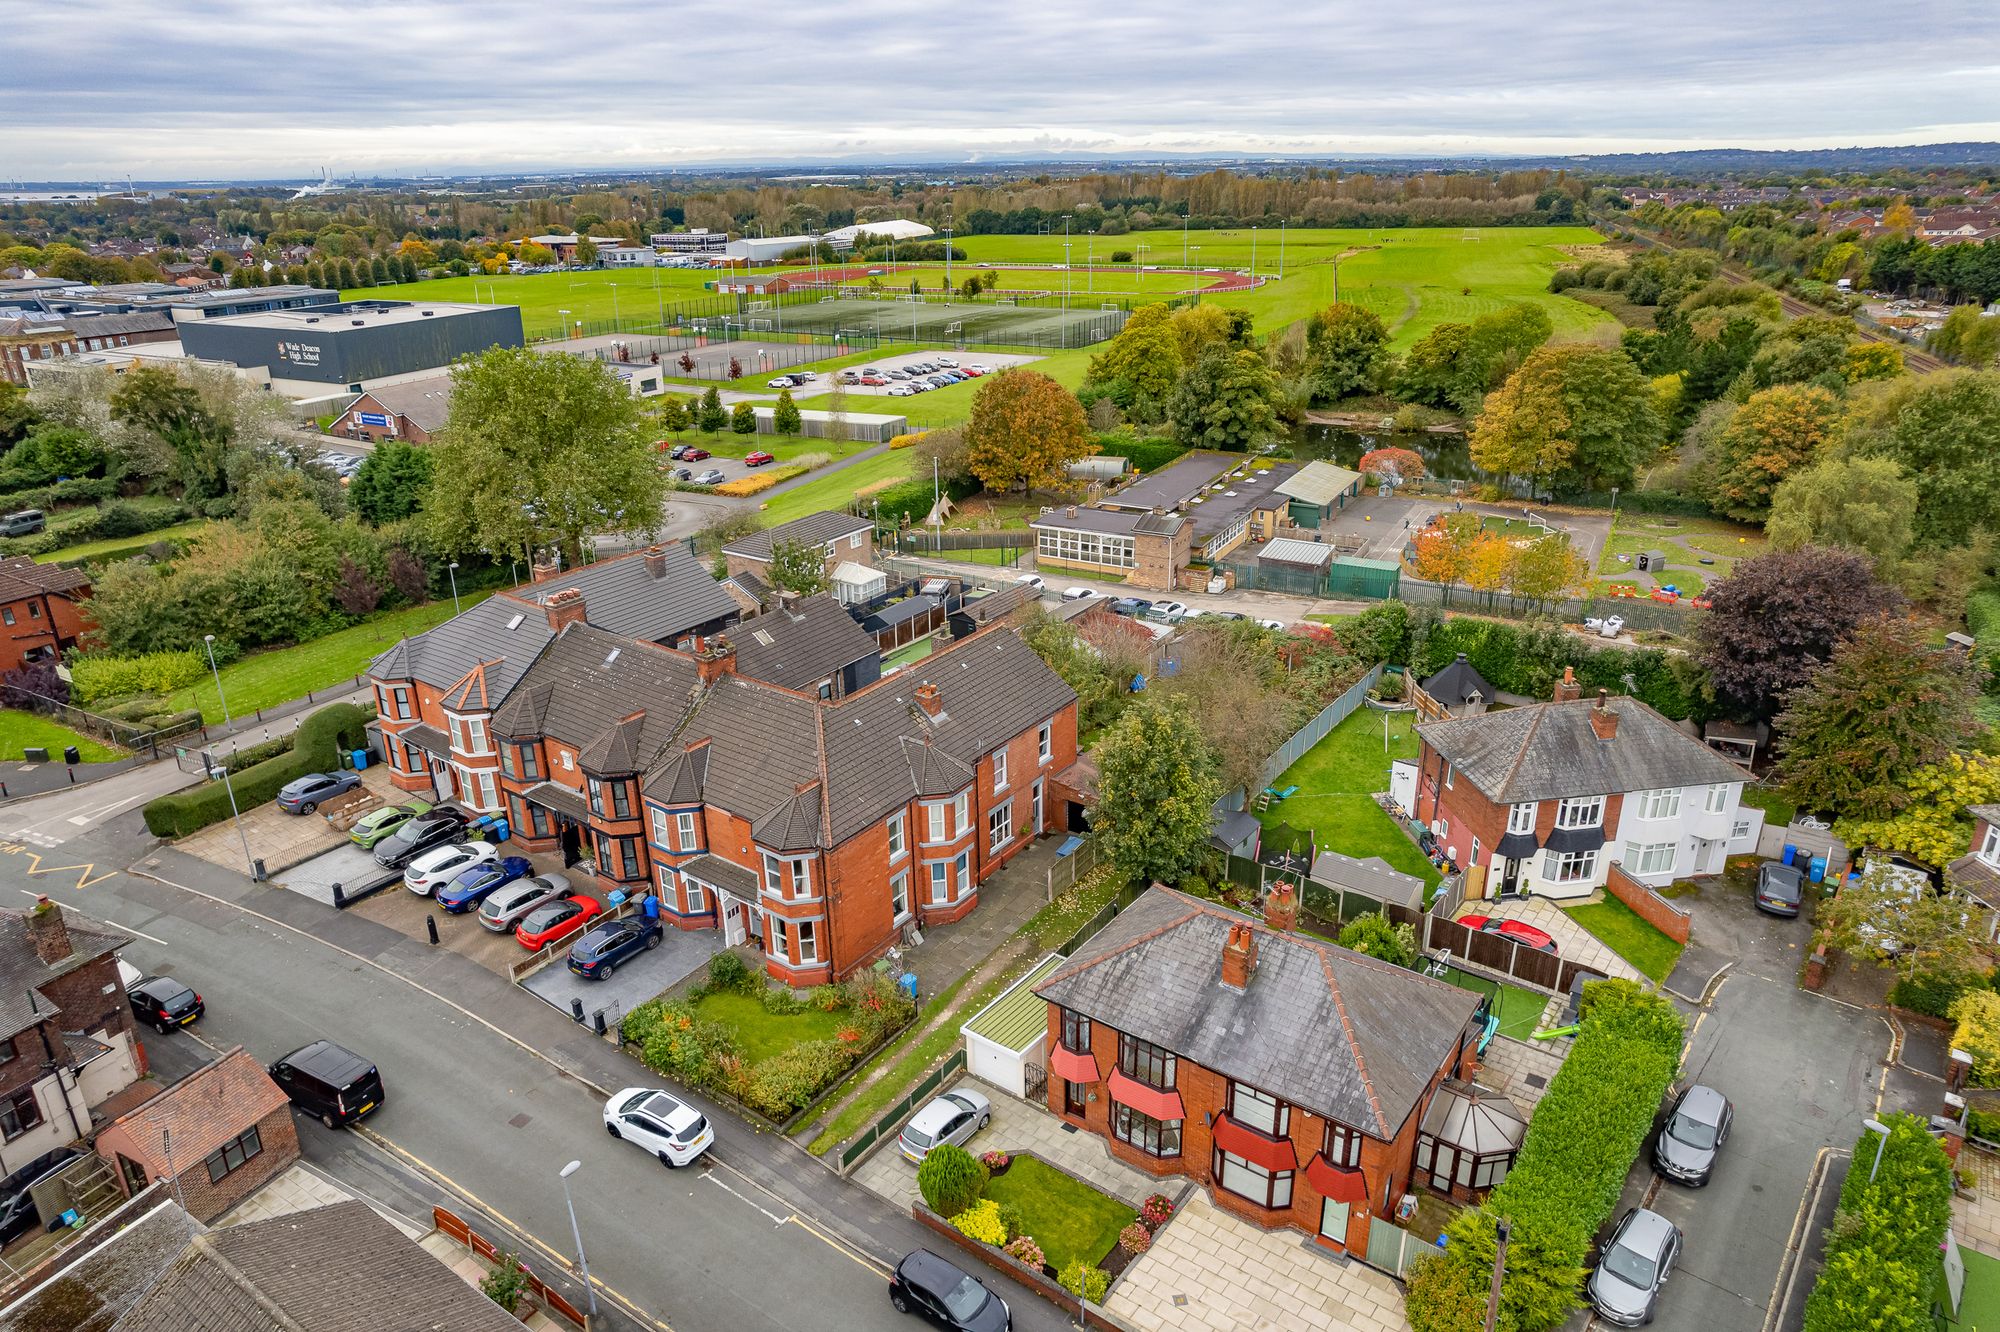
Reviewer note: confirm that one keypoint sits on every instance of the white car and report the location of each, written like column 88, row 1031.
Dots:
column 947, row 362
column 660, row 1123
column 1171, row 610
column 901, row 391
column 782, row 381
column 953, row 1117
column 504, row 906
column 1078, row 594
column 1273, row 624
column 804, row 376
column 434, row 869
column 1032, row 580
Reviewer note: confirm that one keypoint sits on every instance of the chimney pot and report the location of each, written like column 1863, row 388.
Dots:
column 1239, row 957
column 1602, row 719
column 564, row 608
column 544, row 567
column 1281, row 908
column 928, row 700
column 1070, row 512
column 714, row 658
column 656, row 561
column 1567, row 689
column 49, row 931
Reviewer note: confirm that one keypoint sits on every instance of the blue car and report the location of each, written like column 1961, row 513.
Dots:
column 597, row 954
column 469, row 889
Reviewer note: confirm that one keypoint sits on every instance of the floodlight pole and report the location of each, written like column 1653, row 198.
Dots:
column 1253, row 254
column 1281, row 249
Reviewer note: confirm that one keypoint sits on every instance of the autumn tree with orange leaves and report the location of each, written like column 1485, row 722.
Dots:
column 1024, row 430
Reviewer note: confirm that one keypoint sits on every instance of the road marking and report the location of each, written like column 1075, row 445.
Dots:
column 1795, row 1241
column 776, row 1220
column 84, row 877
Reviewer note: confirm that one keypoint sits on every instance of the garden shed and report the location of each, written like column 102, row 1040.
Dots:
column 1010, row 1036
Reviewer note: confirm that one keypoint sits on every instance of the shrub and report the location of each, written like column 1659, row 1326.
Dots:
column 1135, row 1239
column 1882, row 1250
column 1977, row 1014
column 240, row 759
column 674, row 1041
column 787, row 1081
column 1526, row 659
column 506, row 1283
column 779, row 1001
column 1089, row 1282
column 317, row 747
column 1024, row 1248
column 910, row 440
column 1145, row 455
column 726, row 971
column 981, row 1221
column 1379, row 937
column 1010, row 1219
column 1156, row 1211
column 950, row 1180
column 1933, row 994
column 995, row 1161
column 96, row 675
column 759, row 480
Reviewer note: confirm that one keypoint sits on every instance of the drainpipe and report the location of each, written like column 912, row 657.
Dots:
column 50, row 1063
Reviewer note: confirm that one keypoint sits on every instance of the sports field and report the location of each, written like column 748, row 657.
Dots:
column 927, row 321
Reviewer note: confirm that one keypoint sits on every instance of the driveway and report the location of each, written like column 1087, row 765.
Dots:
column 1573, row 942
column 345, row 864
column 279, row 839
column 634, row 982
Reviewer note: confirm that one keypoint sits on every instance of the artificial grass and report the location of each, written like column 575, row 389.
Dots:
column 1068, row 1218
column 21, row 729
column 1518, row 1008
column 1336, row 779
column 1622, row 930
column 1979, row 1310
column 761, row 1034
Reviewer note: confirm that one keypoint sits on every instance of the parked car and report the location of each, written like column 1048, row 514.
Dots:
column 1131, row 606
column 938, row 1290
column 899, row 374
column 901, row 391
column 471, row 885
column 305, row 794
column 805, row 376
column 552, row 922
column 695, row 454
column 979, row 369
column 420, row 834
column 1078, row 593
column 1780, row 888
column 597, row 954
column 873, row 381
column 1519, row 931
column 376, row 824
column 781, row 382
column 1634, row 1265
column 679, row 451
column 505, row 906
column 757, row 459
column 330, row 1081
column 711, row 477
column 947, row 362
column 18, row 1213
column 1032, row 580
column 1277, row 626
column 1228, row 615
column 26, row 522
column 658, row 1122
column 439, row 866
column 1170, row 610
column 163, row 1003
column 1696, row 1128
column 951, row 1118
column 683, row 474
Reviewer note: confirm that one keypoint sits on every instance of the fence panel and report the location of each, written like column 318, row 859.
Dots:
column 1392, row 1248
column 892, row 1119
column 1316, row 730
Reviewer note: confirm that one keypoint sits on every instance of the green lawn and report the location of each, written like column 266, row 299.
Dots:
column 21, row 729
column 1684, row 541
column 1979, row 1310
column 1620, row 929
column 909, row 652
column 760, row 1034
column 1336, row 780
column 265, row 679
column 134, row 543
column 545, row 297
column 1779, row 809
column 904, row 1060
column 1518, row 1008
column 1068, row 1218
column 832, row 490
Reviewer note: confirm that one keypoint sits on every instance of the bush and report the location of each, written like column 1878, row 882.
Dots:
column 1977, row 1014
column 779, row 1001
column 96, row 675
column 1010, row 1219
column 319, row 742
column 1024, row 1249
column 1135, row 1239
column 950, row 1180
column 1089, row 1282
column 1145, row 454
column 1156, row 1211
column 1529, row 659
column 676, row 1042
column 1934, row 994
column 1882, row 1250
column 981, row 1221
column 786, row 1082
column 1377, row 936
column 506, row 1283
column 726, row 971
column 238, row 760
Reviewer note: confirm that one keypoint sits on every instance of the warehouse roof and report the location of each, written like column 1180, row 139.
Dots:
column 1289, row 550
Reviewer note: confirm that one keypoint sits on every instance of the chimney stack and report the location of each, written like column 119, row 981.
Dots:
column 1602, row 719
column 788, row 601
column 1239, row 957
column 544, row 567
column 49, row 931
column 656, row 561
column 563, row 608
column 928, row 700
column 1070, row 512
column 714, row 658
column 1281, row 908
column 1567, row 689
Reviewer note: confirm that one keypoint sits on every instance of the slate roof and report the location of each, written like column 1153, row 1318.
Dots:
column 23, row 972
column 1989, row 813
column 116, row 1269
column 1341, row 1034
column 1970, row 874
column 793, row 826
column 500, row 632
column 625, row 597
column 1549, row 751
column 585, row 690
column 21, row 578
column 424, row 403
column 206, row 1109
column 796, row 648
column 1455, row 685
column 724, row 874
column 815, row 529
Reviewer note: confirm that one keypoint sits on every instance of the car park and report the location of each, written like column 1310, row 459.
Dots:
column 1635, row 1263
column 552, row 922
column 899, row 374
column 1692, row 1138
column 1228, row 615
column 757, row 459
column 470, row 885
column 437, row 867
column 873, row 381
column 504, row 906
column 305, row 794
column 608, row 943
column 679, row 451
column 1519, row 931
column 659, row 1122
column 1780, row 888
column 1032, row 580
column 163, row 1003
column 711, row 477
column 805, row 376
column 951, row 1118
column 979, row 369
column 420, row 834
column 376, row 824
column 939, row 1291
column 329, row 1081
column 18, row 1212
column 901, row 391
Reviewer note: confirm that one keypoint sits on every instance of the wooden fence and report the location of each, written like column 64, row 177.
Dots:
column 891, row 1121
column 1063, row 874
column 450, row 1224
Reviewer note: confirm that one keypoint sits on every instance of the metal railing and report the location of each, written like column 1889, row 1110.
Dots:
column 891, row 1121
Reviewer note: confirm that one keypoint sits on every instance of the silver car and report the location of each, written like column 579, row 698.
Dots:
column 1694, row 1134
column 953, row 1117
column 504, row 906
column 1633, row 1267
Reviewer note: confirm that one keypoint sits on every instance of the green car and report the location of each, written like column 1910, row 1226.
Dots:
column 377, row 824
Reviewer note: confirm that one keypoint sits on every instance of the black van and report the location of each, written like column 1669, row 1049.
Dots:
column 327, row 1080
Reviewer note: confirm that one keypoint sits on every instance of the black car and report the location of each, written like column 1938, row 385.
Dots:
column 18, row 1213
column 928, row 1285
column 163, row 1003
column 433, row 829
column 597, row 954
column 1780, row 888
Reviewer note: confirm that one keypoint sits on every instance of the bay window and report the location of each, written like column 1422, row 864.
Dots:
column 1155, row 1137
column 1075, row 1031
column 684, row 826
column 935, row 813
column 1259, row 1110
column 961, row 813
column 1145, row 1062
column 1342, row 1146
column 659, row 821
column 1573, row 867
column 808, row 941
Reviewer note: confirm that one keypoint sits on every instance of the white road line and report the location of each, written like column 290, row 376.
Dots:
column 775, row 1218
column 141, row 934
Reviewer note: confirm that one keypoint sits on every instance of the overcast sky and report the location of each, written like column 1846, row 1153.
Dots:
column 228, row 88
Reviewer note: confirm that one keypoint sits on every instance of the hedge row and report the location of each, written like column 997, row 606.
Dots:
column 80, row 490
column 915, row 495
column 97, row 675
column 119, row 518
column 1529, row 659
column 1145, row 455
column 1585, row 1134
column 322, row 738
column 1882, row 1252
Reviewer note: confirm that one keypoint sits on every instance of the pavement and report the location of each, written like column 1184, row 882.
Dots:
column 279, row 839
column 635, row 981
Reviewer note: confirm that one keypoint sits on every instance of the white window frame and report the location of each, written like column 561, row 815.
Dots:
column 777, row 937
column 1000, row 825
column 1989, row 850
column 1473, row 859
column 1045, row 744
column 1571, row 867
column 690, row 836
column 1716, row 799
column 659, row 821
column 697, row 896
column 1521, row 817
column 774, row 875
column 1645, row 859
column 940, row 874
column 1035, row 822
column 1571, row 813
column 999, row 771
column 899, row 891
column 1447, row 776
column 808, row 932
column 1663, row 803
column 899, row 842
column 962, row 862
column 961, row 813
column 935, row 828
column 798, row 886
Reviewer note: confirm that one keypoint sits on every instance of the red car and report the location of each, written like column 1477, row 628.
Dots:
column 873, row 381
column 1519, row 931
column 695, row 455
column 553, row 922
column 757, row 459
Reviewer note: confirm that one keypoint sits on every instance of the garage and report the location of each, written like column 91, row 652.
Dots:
column 1006, row 1042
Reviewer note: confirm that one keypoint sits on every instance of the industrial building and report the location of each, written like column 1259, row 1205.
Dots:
column 895, row 228
column 698, row 240
column 231, row 302
column 765, row 249
column 353, row 342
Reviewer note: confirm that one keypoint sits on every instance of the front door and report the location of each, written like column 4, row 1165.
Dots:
column 1510, row 878
column 1333, row 1221
column 1072, row 1097
column 735, row 923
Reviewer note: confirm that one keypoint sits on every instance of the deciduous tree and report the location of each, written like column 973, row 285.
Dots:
column 1860, row 503
column 1024, row 429
column 391, row 482
column 798, row 567
column 1772, row 434
column 743, row 419
column 1573, row 416
column 1777, row 617
column 1932, row 824
column 1444, row 550
column 1344, row 346
column 1940, row 428
column 1225, row 400
column 1918, row 933
column 1156, row 786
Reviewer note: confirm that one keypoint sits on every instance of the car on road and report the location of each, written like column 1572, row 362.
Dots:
column 597, row 954
column 711, row 477
column 505, row 905
column 426, row 831
column 938, row 1290
column 1696, row 1128
column 1078, row 593
column 471, row 885
column 18, row 1213
column 329, row 1081
column 1635, row 1263
column 1519, row 931
column 659, row 1122
column 1780, row 888
column 695, row 454
column 552, row 922
column 951, row 1118
column 439, row 866
column 163, row 1003
column 1131, row 606
column 1032, row 580
column 758, row 459
column 376, row 824
column 305, row 794
column 1277, row 625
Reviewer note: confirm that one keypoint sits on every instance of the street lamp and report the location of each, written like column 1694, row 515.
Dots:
column 1876, row 1126
column 589, row 1291
column 565, row 315
column 209, row 640
column 1253, row 254
column 452, row 569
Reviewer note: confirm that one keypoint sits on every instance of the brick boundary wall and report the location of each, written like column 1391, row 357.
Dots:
column 1007, row 1265
column 1657, row 911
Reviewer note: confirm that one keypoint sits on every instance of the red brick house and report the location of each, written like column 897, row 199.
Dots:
column 224, row 1131
column 1285, row 1074
column 42, row 611
column 1977, row 872
column 845, row 538
column 413, row 411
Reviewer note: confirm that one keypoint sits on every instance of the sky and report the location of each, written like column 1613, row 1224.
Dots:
column 190, row 89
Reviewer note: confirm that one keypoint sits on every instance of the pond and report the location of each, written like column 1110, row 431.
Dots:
column 1446, row 457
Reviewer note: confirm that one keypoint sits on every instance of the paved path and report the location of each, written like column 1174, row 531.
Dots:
column 1573, row 942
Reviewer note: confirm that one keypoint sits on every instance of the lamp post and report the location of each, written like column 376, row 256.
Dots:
column 1253, row 254
column 452, row 569
column 1281, row 249
column 1065, row 263
column 589, row 1291
column 1501, row 1228
column 209, row 641
column 1876, row 1126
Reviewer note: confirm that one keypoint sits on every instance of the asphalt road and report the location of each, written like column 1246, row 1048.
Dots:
column 755, row 1237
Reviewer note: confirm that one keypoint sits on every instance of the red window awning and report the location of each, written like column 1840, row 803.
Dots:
column 1273, row 1154
column 1340, row 1183
column 1073, row 1065
column 1161, row 1105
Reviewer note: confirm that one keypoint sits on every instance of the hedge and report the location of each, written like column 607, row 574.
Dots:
column 914, row 497
column 1529, row 659
column 118, row 518
column 321, row 739
column 1585, row 1134
column 96, row 675
column 1882, row 1251
column 1145, row 455
column 1982, row 621
column 1977, row 1013
column 1933, row 994
column 80, row 490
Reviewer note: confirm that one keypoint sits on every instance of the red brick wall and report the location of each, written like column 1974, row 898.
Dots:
column 1655, row 910
column 42, row 620
column 206, row 1200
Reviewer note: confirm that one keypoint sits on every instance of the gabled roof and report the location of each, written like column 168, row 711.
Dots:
column 1338, row 1033
column 424, row 402
column 617, row 701
column 23, row 973
column 501, row 632
column 1549, row 751
column 800, row 645
column 21, row 577
column 1319, row 483
column 205, row 1110
column 625, row 596
column 815, row 529
column 109, row 1271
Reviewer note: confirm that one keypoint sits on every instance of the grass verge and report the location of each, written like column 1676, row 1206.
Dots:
column 1068, row 1218
column 19, row 730
column 1622, row 930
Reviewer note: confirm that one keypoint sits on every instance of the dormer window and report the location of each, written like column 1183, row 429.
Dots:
column 1989, row 848
column 1521, row 818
